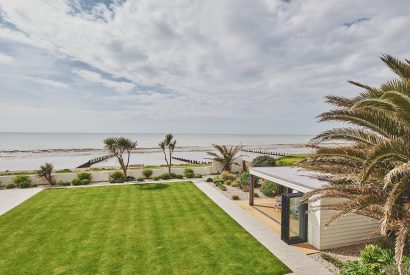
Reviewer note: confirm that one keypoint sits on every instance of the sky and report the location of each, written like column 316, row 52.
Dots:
column 189, row 66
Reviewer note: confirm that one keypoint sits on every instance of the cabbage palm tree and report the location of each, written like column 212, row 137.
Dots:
column 168, row 144
column 225, row 155
column 372, row 169
column 45, row 171
column 120, row 146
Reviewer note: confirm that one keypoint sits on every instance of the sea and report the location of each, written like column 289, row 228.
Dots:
column 27, row 151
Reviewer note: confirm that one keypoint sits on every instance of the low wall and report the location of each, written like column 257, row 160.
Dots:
column 101, row 176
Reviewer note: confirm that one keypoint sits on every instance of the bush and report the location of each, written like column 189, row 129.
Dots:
column 64, row 183
column 140, row 179
column 84, row 176
column 22, row 181
column 117, row 177
column 164, row 176
column 198, row 176
column 130, row 178
column 225, row 175
column 243, row 179
column 256, row 195
column 209, row 180
column 356, row 268
column 189, row 173
column 263, row 161
column 235, row 197
column 10, row 186
column 147, row 172
column 373, row 260
column 270, row 189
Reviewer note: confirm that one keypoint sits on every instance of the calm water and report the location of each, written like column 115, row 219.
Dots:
column 27, row 151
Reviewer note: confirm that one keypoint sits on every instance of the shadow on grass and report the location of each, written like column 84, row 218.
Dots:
column 152, row 186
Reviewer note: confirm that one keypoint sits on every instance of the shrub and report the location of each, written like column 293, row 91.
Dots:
column 10, row 186
column 140, row 179
column 22, row 181
column 243, row 179
column 198, row 176
column 84, row 176
column 235, row 197
column 189, row 173
column 130, row 178
column 234, row 183
column 147, row 172
column 117, row 177
column 256, row 195
column 271, row 189
column 225, row 175
column 373, row 260
column 209, row 180
column 263, row 161
column 164, row 176
column 356, row 268
column 64, row 183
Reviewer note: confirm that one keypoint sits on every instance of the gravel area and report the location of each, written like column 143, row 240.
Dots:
column 235, row 191
column 344, row 254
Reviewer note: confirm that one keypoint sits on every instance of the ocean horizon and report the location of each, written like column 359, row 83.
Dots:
column 47, row 141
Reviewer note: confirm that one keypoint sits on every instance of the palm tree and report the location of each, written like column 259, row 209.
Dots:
column 372, row 170
column 227, row 155
column 119, row 146
column 168, row 144
column 45, row 171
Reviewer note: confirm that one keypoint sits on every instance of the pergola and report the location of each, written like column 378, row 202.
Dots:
column 297, row 179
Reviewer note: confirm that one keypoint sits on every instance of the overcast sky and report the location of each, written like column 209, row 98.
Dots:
column 223, row 66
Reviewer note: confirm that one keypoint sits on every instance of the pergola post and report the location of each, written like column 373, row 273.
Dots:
column 251, row 189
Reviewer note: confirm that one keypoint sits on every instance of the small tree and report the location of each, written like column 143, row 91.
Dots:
column 168, row 144
column 227, row 155
column 120, row 146
column 45, row 172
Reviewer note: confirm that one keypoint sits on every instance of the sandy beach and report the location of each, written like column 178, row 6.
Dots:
column 17, row 160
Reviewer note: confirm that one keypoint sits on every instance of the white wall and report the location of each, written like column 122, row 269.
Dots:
column 349, row 229
column 101, row 176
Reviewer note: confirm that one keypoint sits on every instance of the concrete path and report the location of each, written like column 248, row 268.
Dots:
column 13, row 197
column 296, row 260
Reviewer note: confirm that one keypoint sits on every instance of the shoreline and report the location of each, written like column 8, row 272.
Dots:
column 26, row 160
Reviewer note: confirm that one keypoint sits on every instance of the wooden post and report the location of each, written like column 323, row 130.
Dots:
column 251, row 190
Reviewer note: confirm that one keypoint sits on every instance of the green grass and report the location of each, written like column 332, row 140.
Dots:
column 168, row 228
column 290, row 160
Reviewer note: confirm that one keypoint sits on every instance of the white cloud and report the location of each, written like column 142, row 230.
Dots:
column 6, row 59
column 244, row 64
column 120, row 86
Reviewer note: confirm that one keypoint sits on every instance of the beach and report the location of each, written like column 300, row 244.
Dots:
column 27, row 151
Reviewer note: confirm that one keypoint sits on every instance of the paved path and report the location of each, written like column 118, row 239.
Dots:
column 13, row 197
column 297, row 261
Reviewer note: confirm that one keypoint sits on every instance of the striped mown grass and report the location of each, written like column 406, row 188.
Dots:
column 170, row 228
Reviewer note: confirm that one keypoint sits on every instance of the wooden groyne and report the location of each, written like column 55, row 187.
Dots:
column 262, row 152
column 95, row 160
column 190, row 160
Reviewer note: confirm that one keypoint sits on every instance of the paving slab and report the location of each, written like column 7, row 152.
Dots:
column 295, row 259
column 12, row 197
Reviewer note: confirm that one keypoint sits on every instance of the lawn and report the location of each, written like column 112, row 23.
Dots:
column 144, row 229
